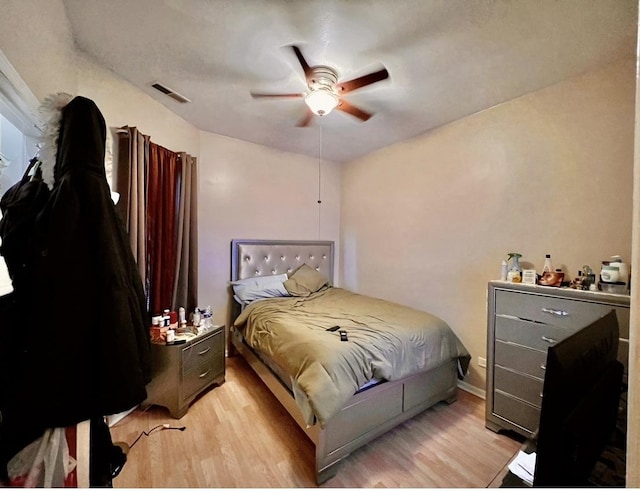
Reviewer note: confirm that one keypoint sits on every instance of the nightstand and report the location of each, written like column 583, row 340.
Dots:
column 181, row 372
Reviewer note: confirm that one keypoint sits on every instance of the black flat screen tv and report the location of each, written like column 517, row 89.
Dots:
column 580, row 398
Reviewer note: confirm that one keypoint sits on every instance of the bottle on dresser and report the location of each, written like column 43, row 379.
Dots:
column 504, row 269
column 515, row 271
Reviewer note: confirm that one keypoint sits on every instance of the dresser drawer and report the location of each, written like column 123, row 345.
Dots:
column 537, row 336
column 623, row 314
column 564, row 313
column 201, row 353
column 524, row 387
column 521, row 359
column 517, row 412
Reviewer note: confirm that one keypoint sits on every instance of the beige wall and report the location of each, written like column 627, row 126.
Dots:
column 428, row 221
column 248, row 191
column 123, row 104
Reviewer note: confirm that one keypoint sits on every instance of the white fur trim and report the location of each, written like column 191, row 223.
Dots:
column 108, row 158
column 51, row 111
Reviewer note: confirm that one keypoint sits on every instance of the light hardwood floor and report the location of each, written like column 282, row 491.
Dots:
column 238, row 435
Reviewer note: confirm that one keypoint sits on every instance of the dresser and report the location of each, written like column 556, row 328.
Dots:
column 181, row 372
column 523, row 321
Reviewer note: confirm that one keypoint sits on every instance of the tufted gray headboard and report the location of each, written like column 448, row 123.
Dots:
column 258, row 257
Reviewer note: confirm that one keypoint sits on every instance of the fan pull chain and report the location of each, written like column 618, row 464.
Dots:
column 320, row 181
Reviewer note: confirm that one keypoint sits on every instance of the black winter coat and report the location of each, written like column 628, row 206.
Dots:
column 83, row 346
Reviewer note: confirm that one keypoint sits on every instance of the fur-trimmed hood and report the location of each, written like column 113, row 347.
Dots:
column 51, row 111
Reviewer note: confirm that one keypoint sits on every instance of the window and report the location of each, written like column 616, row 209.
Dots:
column 19, row 133
column 16, row 149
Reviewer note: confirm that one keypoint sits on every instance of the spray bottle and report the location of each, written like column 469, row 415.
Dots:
column 515, row 271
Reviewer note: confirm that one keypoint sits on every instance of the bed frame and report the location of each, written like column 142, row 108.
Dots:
column 369, row 413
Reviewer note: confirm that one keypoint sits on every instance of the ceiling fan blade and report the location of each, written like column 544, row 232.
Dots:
column 290, row 95
column 303, row 62
column 351, row 85
column 347, row 107
column 306, row 119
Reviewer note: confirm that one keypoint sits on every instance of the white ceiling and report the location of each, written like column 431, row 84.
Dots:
column 446, row 59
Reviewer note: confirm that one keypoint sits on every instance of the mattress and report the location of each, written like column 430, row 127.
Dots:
column 286, row 379
column 386, row 341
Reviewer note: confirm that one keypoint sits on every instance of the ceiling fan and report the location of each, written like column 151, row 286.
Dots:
column 325, row 91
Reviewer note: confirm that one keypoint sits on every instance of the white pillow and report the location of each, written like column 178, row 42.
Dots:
column 254, row 288
column 263, row 280
column 248, row 293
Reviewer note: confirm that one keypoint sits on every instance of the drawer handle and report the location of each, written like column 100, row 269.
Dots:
column 548, row 339
column 541, row 394
column 204, row 351
column 556, row 312
column 204, row 374
column 543, row 367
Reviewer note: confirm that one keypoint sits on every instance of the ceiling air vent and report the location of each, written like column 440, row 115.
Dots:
column 170, row 92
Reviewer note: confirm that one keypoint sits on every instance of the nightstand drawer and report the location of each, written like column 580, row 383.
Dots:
column 199, row 377
column 521, row 359
column 523, row 387
column 201, row 353
column 566, row 313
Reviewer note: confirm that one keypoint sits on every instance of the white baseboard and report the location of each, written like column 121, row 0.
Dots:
column 114, row 419
column 472, row 389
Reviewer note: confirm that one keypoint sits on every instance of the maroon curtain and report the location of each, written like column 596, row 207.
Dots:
column 163, row 183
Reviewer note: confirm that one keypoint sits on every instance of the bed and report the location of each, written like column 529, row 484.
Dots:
column 395, row 363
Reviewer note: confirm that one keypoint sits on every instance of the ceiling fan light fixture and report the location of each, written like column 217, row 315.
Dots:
column 321, row 101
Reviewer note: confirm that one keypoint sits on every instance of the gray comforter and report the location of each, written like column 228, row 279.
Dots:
column 385, row 341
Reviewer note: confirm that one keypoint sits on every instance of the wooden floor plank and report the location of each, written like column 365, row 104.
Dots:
column 238, row 435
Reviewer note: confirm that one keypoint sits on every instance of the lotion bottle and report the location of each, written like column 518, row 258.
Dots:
column 547, row 264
